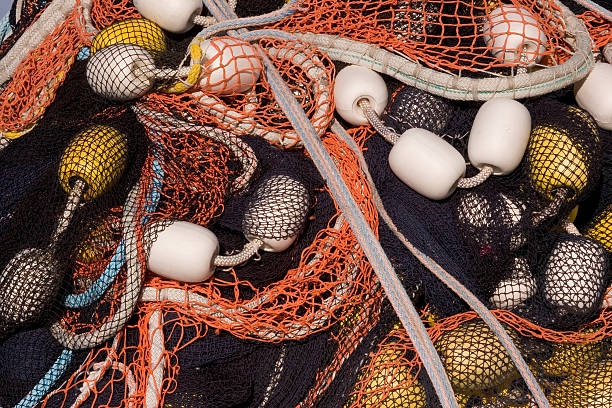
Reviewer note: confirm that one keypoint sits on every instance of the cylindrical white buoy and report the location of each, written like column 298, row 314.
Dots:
column 594, row 94
column 499, row 135
column 427, row 163
column 354, row 83
column 182, row 251
column 175, row 16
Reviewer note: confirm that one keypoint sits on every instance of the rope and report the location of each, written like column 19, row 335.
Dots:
column 481, row 177
column 244, row 255
column 157, row 362
column 71, row 204
column 389, row 135
column 44, row 385
column 449, row 86
column 569, row 227
column 552, row 208
column 53, row 16
column 450, row 280
column 99, row 287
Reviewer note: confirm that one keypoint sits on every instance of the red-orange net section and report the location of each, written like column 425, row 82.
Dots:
column 599, row 28
column 40, row 74
column 307, row 72
column 445, row 35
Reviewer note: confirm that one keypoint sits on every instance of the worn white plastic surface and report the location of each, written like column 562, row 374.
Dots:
column 231, row 65
column 175, row 16
column 354, row 83
column 594, row 94
column 273, row 244
column 511, row 28
column 499, row 135
column 184, row 252
column 427, row 163
column 515, row 290
column 121, row 72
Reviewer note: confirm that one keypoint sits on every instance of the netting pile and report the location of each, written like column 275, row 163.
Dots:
column 171, row 238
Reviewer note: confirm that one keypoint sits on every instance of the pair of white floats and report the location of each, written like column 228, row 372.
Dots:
column 188, row 252
column 423, row 160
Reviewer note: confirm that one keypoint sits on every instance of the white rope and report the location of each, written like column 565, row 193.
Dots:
column 54, row 15
column 156, row 362
column 449, row 86
column 244, row 255
column 243, row 152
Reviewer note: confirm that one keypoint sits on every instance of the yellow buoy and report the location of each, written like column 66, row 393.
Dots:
column 475, row 360
column 601, row 228
column 136, row 31
column 97, row 156
column 591, row 387
column 572, row 358
column 94, row 246
column 388, row 384
column 555, row 161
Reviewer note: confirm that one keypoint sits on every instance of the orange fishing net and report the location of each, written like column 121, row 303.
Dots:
column 446, row 36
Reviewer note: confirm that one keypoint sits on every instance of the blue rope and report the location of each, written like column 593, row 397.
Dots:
column 44, row 385
column 364, row 234
column 118, row 260
column 5, row 28
column 84, row 53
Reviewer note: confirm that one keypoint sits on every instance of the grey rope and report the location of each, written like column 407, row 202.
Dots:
column 389, row 135
column 244, row 255
column 552, row 208
column 71, row 205
column 471, row 182
column 131, row 292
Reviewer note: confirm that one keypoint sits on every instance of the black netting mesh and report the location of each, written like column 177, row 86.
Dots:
column 66, row 191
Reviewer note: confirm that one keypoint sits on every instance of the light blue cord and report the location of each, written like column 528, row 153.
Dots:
column 84, row 53
column 5, row 28
column 41, row 389
column 118, row 260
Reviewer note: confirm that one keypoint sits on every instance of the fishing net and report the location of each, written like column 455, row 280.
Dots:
column 111, row 140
